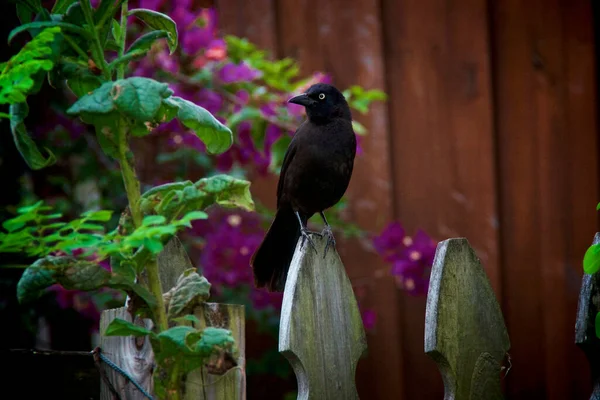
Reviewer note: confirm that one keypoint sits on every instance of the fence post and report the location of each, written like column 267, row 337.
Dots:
column 321, row 331
column 464, row 328
column 134, row 355
column 585, row 327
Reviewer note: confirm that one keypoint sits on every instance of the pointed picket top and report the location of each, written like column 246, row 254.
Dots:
column 585, row 326
column 464, row 329
column 321, row 330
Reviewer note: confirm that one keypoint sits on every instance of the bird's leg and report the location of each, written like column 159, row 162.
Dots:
column 306, row 233
column 327, row 232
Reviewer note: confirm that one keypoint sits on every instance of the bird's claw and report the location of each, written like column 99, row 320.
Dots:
column 330, row 239
column 306, row 236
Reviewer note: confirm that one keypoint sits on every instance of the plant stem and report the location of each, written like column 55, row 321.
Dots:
column 156, row 289
column 174, row 382
column 132, row 187
column 122, row 39
column 97, row 50
column 76, row 47
column 132, row 184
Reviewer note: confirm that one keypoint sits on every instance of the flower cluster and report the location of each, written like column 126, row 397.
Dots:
column 229, row 238
column 411, row 257
column 230, row 89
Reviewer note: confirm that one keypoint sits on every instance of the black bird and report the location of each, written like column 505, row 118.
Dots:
column 315, row 174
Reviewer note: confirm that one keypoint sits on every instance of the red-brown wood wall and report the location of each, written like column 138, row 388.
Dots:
column 490, row 133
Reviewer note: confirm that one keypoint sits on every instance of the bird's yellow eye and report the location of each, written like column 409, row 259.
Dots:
column 321, row 96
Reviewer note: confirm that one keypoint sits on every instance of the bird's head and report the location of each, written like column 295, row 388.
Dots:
column 322, row 102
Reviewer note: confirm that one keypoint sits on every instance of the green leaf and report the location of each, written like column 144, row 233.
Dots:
column 61, row 6
column 138, row 98
column 67, row 271
column 123, row 268
column 24, row 13
column 213, row 340
column 155, row 246
column 173, row 341
column 278, row 150
column 144, row 42
column 187, row 318
column 83, row 82
column 153, row 220
column 192, row 216
column 98, row 102
column 26, row 146
column 597, row 324
column 45, row 24
column 185, row 197
column 116, row 30
column 591, row 259
column 108, row 130
column 120, row 327
column 191, row 290
column 597, row 206
column 132, row 289
column 216, row 136
column 245, row 114
column 24, row 72
column 159, row 21
column 359, row 128
column 100, row 216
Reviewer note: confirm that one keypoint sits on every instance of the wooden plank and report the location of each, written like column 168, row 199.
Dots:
column 344, row 39
column 548, row 155
column 518, row 163
column 255, row 22
column 439, row 79
column 200, row 385
column 133, row 355
column 581, row 115
column 464, row 328
column 380, row 374
column 585, row 328
column 321, row 330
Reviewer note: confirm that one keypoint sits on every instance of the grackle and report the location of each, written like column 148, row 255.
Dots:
column 314, row 176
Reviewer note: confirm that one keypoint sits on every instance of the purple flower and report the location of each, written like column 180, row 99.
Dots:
column 411, row 257
column 232, row 73
column 210, row 100
column 225, row 257
column 389, row 243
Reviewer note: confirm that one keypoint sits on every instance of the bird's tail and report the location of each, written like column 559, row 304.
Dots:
column 272, row 259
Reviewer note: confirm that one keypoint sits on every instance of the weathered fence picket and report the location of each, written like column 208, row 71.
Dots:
column 321, row 331
column 135, row 356
column 464, row 329
column 585, row 326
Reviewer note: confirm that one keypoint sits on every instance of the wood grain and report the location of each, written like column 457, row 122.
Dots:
column 464, row 328
column 321, row 330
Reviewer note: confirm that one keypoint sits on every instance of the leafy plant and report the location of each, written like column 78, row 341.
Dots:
column 591, row 265
column 70, row 252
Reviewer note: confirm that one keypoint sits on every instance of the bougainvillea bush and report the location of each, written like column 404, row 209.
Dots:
column 243, row 87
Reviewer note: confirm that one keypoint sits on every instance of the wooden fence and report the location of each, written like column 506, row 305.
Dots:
column 490, row 133
column 322, row 335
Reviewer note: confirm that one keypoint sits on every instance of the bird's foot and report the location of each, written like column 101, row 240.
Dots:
column 330, row 239
column 306, row 237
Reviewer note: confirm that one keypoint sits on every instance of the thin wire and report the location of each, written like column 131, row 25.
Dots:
column 118, row 369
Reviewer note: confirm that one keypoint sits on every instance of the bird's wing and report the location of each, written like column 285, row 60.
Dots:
column 287, row 159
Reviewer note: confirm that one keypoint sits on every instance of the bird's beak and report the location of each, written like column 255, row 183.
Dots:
column 301, row 99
